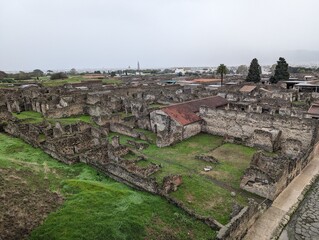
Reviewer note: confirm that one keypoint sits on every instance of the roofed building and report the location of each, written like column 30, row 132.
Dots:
column 313, row 111
column 180, row 121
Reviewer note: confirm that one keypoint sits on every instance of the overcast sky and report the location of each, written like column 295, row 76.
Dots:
column 62, row 34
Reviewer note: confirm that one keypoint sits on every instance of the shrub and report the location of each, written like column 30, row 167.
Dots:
column 59, row 75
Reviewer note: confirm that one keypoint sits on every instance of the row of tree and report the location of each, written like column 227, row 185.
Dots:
column 281, row 72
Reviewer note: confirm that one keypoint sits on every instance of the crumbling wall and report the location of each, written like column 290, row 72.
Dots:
column 268, row 176
column 243, row 126
column 71, row 110
column 169, row 131
column 123, row 129
column 191, row 130
column 239, row 225
column 266, row 139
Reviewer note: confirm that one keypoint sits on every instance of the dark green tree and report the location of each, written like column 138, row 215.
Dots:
column 281, row 71
column 254, row 71
column 222, row 70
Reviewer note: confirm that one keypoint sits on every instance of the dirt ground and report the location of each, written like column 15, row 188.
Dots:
column 25, row 201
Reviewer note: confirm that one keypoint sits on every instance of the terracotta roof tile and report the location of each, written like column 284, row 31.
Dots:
column 185, row 113
column 314, row 109
column 247, row 88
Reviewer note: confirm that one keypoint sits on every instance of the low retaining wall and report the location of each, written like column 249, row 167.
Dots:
column 239, row 225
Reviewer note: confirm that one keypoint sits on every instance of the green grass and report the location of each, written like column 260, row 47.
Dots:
column 59, row 82
column 207, row 198
column 124, row 138
column 206, row 193
column 234, row 159
column 112, row 81
column 29, row 117
column 35, row 117
column 150, row 135
column 97, row 207
column 180, row 158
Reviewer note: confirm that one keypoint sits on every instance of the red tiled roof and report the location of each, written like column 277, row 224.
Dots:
column 185, row 113
column 314, row 109
column 247, row 88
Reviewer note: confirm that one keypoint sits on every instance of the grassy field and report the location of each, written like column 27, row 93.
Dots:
column 59, row 82
column 112, row 81
column 209, row 193
column 95, row 207
column 35, row 117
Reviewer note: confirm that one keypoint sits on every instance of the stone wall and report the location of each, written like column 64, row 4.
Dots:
column 191, row 130
column 239, row 225
column 268, row 176
column 242, row 127
column 123, row 129
column 169, row 131
column 71, row 110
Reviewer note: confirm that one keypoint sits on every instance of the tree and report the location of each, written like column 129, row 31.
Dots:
column 242, row 69
column 59, row 75
column 37, row 73
column 222, row 70
column 281, row 71
column 73, row 71
column 254, row 71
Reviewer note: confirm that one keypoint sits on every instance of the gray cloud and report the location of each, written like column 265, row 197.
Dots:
column 116, row 33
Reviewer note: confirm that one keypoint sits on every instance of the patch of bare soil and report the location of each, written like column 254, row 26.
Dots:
column 25, row 201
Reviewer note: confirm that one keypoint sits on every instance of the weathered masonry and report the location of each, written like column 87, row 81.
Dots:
column 181, row 121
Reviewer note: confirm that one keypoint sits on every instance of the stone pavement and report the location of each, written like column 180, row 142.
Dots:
column 305, row 222
column 267, row 224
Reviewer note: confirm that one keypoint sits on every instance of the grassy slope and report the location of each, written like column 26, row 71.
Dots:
column 97, row 207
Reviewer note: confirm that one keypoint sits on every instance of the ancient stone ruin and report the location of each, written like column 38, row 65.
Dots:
column 259, row 116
